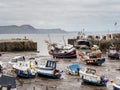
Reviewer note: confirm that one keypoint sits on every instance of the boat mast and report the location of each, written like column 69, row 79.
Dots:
column 64, row 41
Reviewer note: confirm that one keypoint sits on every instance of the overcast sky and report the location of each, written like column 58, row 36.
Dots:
column 69, row 15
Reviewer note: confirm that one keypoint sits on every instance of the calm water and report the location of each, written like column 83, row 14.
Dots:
column 40, row 39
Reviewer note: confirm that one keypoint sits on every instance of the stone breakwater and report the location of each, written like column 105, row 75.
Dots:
column 17, row 45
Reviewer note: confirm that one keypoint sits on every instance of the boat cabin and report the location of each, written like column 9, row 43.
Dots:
column 91, row 71
column 83, row 44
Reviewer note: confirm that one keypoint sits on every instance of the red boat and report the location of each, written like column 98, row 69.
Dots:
column 63, row 52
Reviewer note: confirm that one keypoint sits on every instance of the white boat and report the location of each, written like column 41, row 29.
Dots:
column 16, row 59
column 91, row 76
column 24, row 69
column 116, row 84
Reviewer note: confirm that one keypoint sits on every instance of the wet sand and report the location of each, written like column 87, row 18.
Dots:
column 67, row 82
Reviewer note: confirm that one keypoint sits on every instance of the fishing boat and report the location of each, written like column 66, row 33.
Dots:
column 90, row 76
column 66, row 52
column 116, row 84
column 93, row 57
column 113, row 53
column 73, row 69
column 49, row 70
column 24, row 69
column 61, row 51
column 7, row 82
column 82, row 44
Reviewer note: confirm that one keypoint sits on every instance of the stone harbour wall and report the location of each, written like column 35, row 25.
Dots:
column 17, row 45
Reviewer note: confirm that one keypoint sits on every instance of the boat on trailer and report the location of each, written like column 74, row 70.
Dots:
column 90, row 76
column 24, row 69
column 49, row 70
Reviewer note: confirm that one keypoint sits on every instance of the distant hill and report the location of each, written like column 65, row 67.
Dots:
column 27, row 29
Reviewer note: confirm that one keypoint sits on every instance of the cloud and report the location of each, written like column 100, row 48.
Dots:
column 65, row 14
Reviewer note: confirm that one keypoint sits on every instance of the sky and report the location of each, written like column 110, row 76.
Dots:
column 69, row 15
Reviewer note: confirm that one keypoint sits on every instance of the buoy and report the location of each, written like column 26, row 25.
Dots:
column 111, row 81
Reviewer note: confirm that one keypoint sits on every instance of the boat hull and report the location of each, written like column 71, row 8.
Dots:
column 98, row 61
column 71, row 54
column 93, row 83
column 48, row 75
column 116, row 87
column 23, row 74
column 114, row 56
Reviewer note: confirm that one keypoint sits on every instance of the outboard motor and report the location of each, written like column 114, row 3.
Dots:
column 104, row 80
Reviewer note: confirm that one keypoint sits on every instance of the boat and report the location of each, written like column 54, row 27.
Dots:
column 93, row 57
column 24, row 69
column 113, row 53
column 62, row 51
column 73, row 69
column 95, row 61
column 49, row 70
column 15, row 59
column 90, row 76
column 82, row 44
column 116, row 84
column 7, row 82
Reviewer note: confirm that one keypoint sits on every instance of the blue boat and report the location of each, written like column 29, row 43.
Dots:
column 49, row 70
column 95, row 61
column 113, row 53
column 7, row 83
column 90, row 76
column 74, row 69
column 116, row 84
column 24, row 69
